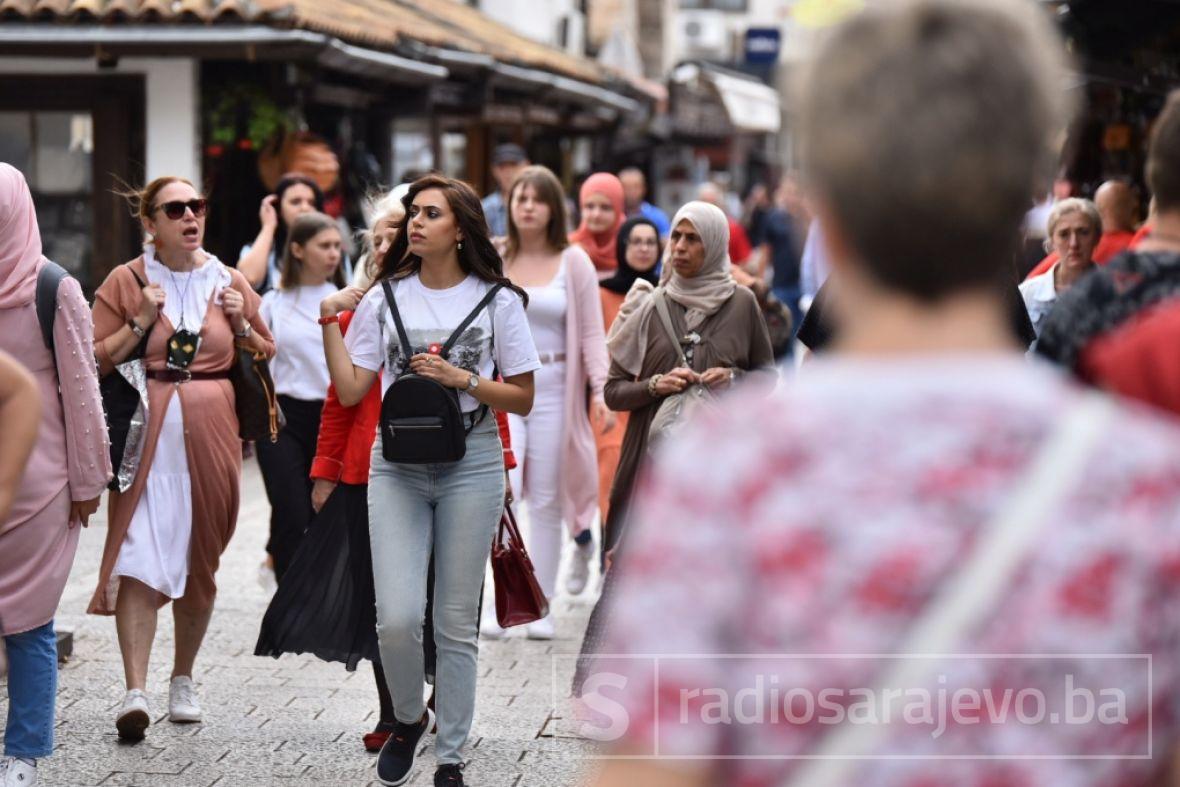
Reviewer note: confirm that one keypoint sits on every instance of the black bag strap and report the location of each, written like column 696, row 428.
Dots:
column 141, row 348
column 48, row 279
column 446, row 348
column 390, row 301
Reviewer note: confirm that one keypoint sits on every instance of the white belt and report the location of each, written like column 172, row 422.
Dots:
column 551, row 357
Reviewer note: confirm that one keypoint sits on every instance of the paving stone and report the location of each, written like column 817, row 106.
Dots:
column 294, row 721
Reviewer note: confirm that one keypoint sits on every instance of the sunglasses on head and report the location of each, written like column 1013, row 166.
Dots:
column 175, row 209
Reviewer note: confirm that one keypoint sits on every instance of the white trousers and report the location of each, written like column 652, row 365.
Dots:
column 536, row 480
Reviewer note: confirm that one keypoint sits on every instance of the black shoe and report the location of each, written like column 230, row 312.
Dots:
column 450, row 775
column 396, row 759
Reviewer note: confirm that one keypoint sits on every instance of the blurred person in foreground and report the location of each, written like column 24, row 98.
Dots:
column 831, row 517
column 1119, row 327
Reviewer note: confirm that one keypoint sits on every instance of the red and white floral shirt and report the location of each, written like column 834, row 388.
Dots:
column 787, row 540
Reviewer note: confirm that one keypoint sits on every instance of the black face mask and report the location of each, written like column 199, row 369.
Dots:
column 182, row 348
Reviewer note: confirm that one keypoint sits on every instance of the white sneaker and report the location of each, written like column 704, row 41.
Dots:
column 134, row 716
column 579, row 573
column 266, row 578
column 541, row 629
column 183, row 707
column 490, row 628
column 17, row 773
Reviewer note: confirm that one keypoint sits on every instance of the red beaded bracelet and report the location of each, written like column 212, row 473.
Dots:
column 329, row 320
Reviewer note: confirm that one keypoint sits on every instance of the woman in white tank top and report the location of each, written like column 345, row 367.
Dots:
column 557, row 474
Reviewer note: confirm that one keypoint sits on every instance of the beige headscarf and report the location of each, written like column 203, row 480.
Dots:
column 701, row 296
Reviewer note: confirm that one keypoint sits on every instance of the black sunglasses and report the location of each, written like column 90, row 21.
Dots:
column 175, row 210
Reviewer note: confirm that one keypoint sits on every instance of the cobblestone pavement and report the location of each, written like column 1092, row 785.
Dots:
column 293, row 721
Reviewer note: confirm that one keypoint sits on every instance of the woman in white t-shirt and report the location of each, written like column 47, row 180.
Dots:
column 310, row 273
column 441, row 266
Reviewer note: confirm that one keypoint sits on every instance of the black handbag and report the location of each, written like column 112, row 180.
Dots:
column 255, row 401
column 121, row 401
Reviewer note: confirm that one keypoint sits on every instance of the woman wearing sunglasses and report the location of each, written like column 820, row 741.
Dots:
column 167, row 531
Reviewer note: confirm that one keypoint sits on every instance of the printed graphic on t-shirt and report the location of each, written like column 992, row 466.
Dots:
column 472, row 346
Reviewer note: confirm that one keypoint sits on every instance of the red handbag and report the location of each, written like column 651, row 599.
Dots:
column 519, row 599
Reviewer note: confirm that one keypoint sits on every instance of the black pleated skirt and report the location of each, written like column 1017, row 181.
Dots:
column 325, row 603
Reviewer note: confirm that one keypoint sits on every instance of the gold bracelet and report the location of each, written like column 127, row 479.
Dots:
column 652, row 382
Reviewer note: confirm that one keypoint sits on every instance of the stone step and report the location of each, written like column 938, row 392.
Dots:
column 65, row 645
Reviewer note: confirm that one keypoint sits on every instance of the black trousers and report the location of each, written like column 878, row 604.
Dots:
column 286, row 472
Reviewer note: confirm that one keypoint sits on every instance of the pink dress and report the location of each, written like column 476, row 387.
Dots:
column 70, row 462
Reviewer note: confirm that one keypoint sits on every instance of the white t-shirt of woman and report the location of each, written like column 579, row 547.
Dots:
column 499, row 338
column 299, row 367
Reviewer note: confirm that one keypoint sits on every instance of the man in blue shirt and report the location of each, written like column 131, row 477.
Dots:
column 634, row 191
column 507, row 162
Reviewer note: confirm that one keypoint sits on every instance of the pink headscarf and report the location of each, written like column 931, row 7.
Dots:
column 20, row 240
column 601, row 246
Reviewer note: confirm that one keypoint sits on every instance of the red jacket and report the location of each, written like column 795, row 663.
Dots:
column 347, row 434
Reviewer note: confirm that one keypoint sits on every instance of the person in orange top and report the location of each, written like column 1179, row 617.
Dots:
column 638, row 257
column 1116, row 204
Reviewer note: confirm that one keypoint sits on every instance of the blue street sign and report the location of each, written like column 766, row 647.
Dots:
column 763, row 44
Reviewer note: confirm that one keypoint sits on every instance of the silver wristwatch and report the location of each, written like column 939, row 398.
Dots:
column 472, row 383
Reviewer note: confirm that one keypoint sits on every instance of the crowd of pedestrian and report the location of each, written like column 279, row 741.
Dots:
column 484, row 354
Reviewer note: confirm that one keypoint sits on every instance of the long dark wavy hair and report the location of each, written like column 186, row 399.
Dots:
column 477, row 256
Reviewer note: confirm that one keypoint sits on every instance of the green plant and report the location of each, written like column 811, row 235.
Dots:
column 248, row 108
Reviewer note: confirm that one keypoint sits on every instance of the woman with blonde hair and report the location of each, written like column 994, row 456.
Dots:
column 167, row 531
column 1074, row 228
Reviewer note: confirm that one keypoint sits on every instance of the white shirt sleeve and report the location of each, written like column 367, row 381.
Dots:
column 514, row 350
column 364, row 341
column 267, row 307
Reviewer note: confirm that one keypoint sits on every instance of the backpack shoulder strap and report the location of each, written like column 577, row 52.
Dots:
column 49, row 278
column 666, row 320
column 446, row 349
column 391, row 302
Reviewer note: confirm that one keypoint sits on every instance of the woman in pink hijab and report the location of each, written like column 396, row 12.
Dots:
column 601, row 204
column 62, row 482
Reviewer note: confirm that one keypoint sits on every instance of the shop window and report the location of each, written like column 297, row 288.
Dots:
column 55, row 151
column 454, row 155
column 412, row 152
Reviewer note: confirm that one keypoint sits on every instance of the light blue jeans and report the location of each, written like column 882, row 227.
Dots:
column 32, row 691
column 453, row 509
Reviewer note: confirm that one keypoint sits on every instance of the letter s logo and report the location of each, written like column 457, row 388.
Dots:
column 599, row 708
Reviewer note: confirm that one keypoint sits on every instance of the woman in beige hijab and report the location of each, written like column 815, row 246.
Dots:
column 721, row 334
column 720, row 328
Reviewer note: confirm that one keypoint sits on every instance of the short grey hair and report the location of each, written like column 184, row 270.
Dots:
column 1072, row 205
column 926, row 126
